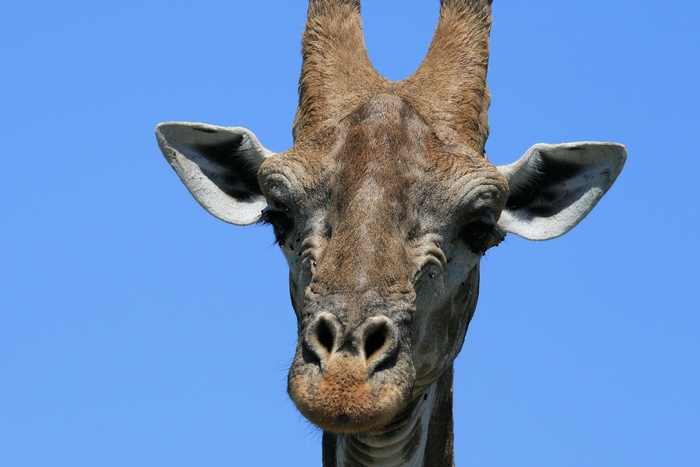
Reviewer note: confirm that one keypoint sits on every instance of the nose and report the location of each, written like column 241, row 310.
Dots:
column 374, row 341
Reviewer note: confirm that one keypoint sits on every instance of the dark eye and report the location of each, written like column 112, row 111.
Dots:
column 277, row 215
column 482, row 234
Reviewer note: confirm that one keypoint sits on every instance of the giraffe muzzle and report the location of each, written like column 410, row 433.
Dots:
column 350, row 379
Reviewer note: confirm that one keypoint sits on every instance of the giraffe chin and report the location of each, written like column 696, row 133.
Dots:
column 344, row 400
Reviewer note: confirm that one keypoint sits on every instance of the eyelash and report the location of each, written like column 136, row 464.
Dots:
column 480, row 236
column 278, row 217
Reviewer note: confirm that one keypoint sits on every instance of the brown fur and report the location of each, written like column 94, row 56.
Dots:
column 449, row 89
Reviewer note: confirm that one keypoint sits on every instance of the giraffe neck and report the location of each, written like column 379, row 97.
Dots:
column 420, row 435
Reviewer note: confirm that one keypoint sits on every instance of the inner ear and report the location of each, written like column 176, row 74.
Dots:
column 538, row 191
column 219, row 166
column 554, row 186
column 230, row 164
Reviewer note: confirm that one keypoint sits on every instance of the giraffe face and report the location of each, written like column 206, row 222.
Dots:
column 383, row 235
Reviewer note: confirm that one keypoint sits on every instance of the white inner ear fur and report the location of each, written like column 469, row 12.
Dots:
column 557, row 205
column 213, row 184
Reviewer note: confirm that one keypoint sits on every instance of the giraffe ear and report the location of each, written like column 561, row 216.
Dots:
column 554, row 186
column 218, row 165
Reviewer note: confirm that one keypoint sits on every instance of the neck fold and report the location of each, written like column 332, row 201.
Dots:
column 420, row 435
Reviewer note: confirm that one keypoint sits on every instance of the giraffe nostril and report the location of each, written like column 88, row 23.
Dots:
column 380, row 343
column 324, row 334
column 373, row 343
column 375, row 340
column 322, row 337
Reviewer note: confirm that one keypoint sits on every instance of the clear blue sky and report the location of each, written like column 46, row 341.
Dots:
column 136, row 329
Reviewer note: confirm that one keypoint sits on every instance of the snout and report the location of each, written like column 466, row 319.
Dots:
column 373, row 343
column 348, row 379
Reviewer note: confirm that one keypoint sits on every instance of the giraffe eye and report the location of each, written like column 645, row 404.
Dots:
column 482, row 234
column 278, row 216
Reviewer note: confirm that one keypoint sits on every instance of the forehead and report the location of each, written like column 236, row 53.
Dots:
column 380, row 152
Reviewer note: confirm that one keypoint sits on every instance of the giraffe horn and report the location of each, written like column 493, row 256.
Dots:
column 335, row 63
column 451, row 81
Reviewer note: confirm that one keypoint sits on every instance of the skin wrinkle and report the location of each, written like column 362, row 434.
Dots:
column 396, row 444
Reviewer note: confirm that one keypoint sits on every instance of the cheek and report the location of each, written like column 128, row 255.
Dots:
column 299, row 280
column 440, row 289
column 301, row 253
column 444, row 306
column 292, row 250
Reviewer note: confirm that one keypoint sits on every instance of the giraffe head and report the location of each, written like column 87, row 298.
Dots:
column 384, row 207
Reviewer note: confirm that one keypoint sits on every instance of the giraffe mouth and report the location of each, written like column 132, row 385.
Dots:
column 345, row 398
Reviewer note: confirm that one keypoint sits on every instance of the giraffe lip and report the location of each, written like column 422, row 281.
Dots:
column 344, row 424
column 343, row 419
column 346, row 398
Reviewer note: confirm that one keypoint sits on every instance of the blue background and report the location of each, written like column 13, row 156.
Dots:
column 136, row 329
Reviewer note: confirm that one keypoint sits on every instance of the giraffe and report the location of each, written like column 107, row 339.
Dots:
column 383, row 208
